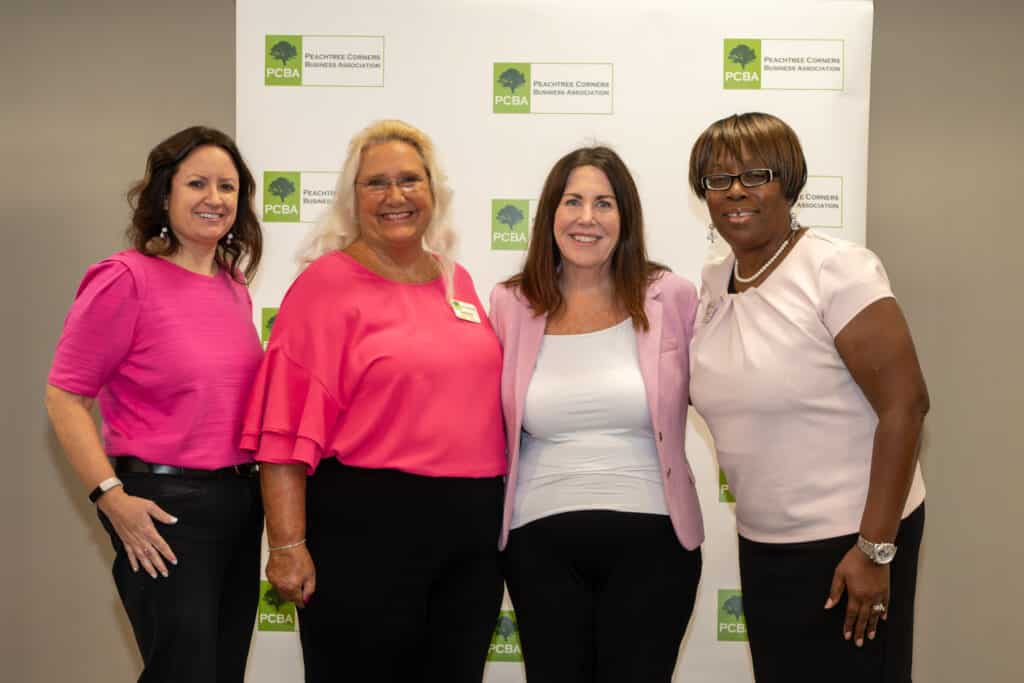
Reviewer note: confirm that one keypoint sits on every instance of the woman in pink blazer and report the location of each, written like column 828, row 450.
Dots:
column 602, row 527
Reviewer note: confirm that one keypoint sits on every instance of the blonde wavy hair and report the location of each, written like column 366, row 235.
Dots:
column 339, row 226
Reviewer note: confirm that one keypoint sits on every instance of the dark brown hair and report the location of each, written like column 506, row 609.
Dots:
column 761, row 136
column 148, row 198
column 630, row 270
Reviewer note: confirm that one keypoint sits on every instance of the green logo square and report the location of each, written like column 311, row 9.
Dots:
column 509, row 220
column 732, row 624
column 269, row 315
column 511, row 88
column 505, row 645
column 724, row 492
column 274, row 613
column 742, row 69
column 282, row 60
column 281, row 196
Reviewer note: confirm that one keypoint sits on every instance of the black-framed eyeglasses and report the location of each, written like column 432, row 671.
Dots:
column 380, row 186
column 751, row 178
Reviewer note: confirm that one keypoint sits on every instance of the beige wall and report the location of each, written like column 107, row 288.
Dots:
column 87, row 92
column 947, row 218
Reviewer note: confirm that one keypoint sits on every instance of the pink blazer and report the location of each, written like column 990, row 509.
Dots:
column 671, row 304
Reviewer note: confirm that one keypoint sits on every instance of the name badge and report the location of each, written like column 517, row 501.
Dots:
column 465, row 311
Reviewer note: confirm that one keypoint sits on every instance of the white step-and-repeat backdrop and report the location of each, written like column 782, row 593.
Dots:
column 505, row 88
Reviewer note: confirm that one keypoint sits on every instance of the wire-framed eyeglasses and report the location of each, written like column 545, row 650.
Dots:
column 751, row 178
column 378, row 187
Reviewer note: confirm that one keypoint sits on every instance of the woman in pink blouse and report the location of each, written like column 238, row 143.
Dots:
column 377, row 422
column 162, row 334
column 804, row 369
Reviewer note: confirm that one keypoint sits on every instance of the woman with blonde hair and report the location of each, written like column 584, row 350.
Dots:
column 377, row 423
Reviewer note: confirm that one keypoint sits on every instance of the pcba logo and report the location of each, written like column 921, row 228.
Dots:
column 742, row 69
column 732, row 624
column 268, row 316
column 511, row 88
column 286, row 188
column 509, row 219
column 275, row 614
column 724, row 492
column 283, row 60
column 505, row 645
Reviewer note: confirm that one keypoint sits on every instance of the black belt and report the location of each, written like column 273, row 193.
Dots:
column 130, row 464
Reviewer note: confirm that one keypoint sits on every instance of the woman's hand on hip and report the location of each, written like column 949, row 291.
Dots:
column 292, row 573
column 132, row 518
column 867, row 586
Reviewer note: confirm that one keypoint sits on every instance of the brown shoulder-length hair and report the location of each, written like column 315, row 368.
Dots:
column 148, row 197
column 631, row 272
column 761, row 136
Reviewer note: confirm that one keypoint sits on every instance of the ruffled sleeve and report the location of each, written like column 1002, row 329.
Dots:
column 850, row 279
column 290, row 414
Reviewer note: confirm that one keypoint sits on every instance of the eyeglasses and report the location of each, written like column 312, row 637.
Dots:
column 378, row 187
column 751, row 178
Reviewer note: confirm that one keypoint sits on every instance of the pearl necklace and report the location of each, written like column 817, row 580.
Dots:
column 760, row 271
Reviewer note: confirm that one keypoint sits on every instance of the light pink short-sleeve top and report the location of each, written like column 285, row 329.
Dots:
column 793, row 431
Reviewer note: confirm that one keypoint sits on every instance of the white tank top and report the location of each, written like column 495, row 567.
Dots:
column 587, row 441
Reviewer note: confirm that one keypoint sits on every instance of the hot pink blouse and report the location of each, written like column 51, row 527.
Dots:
column 171, row 355
column 379, row 374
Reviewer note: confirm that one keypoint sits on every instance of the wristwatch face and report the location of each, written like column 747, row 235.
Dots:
column 884, row 552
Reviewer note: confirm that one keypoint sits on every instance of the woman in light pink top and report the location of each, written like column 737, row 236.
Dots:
column 804, row 369
column 162, row 334
column 377, row 423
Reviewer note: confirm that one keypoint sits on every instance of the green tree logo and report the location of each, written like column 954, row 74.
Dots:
column 732, row 624
column 268, row 316
column 509, row 215
column 275, row 613
column 280, row 64
column 724, row 492
column 742, row 64
column 742, row 54
column 282, row 192
column 511, row 92
column 283, row 51
column 508, row 224
column 281, row 187
column 505, row 644
column 511, row 78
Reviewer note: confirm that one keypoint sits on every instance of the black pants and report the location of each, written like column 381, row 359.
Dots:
column 600, row 596
column 407, row 582
column 794, row 639
column 196, row 624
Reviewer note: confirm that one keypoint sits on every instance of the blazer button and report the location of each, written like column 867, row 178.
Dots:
column 659, row 436
column 668, row 473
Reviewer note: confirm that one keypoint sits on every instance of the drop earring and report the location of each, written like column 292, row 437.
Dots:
column 163, row 233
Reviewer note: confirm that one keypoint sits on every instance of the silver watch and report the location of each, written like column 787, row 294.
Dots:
column 879, row 553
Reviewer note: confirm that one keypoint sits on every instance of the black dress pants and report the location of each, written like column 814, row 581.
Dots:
column 600, row 596
column 794, row 639
column 196, row 624
column 407, row 581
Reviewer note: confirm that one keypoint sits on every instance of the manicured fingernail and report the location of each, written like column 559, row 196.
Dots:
column 871, row 636
column 164, row 574
column 174, row 562
column 860, row 642
column 847, row 635
column 174, row 520
column 829, row 603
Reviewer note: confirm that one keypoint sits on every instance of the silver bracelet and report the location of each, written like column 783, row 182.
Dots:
column 285, row 546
